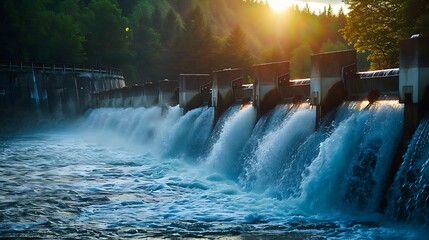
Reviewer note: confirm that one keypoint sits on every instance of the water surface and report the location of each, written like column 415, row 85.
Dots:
column 104, row 181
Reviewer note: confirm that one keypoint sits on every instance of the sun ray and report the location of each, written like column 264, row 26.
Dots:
column 279, row 5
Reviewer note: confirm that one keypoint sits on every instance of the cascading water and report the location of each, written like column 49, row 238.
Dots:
column 138, row 127
column 190, row 135
column 165, row 133
column 409, row 195
column 217, row 130
column 265, row 165
column 152, row 172
column 300, row 158
column 270, row 120
column 341, row 165
column 353, row 162
column 35, row 91
column 236, row 130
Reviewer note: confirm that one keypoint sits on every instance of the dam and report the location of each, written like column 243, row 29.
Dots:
column 342, row 154
column 54, row 88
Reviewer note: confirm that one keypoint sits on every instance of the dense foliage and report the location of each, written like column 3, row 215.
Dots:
column 378, row 26
column 156, row 39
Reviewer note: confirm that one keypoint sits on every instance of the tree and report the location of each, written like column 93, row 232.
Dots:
column 154, row 39
column 105, row 32
column 169, row 29
column 156, row 20
column 373, row 26
column 414, row 17
column 59, row 39
column 37, row 31
column 272, row 54
column 194, row 50
column 329, row 46
column 127, row 6
column 148, row 48
column 235, row 53
column 301, row 61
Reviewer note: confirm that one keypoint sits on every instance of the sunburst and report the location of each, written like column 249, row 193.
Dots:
column 279, row 5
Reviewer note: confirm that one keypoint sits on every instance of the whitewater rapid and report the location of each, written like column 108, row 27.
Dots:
column 156, row 172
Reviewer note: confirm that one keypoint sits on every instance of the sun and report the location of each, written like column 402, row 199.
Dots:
column 279, row 5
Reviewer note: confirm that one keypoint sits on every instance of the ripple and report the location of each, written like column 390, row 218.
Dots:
column 56, row 187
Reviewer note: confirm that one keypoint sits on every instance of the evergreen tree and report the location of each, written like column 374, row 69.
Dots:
column 36, row 31
column 341, row 18
column 148, row 58
column 235, row 53
column 301, row 62
column 170, row 29
column 127, row 6
column 169, row 38
column 163, row 38
column 329, row 46
column 193, row 50
column 414, row 17
column 106, row 36
column 156, row 21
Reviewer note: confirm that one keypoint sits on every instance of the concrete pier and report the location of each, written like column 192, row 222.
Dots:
column 327, row 89
column 222, row 90
column 206, row 94
column 265, row 87
column 132, row 96
column 414, row 81
column 150, row 94
column 413, row 93
column 168, row 93
column 190, row 96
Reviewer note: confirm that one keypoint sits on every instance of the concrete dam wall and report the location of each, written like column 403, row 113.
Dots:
column 53, row 88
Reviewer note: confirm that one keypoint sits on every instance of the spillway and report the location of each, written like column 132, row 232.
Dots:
column 156, row 172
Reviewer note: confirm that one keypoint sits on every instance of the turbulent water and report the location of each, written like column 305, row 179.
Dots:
column 409, row 195
column 156, row 173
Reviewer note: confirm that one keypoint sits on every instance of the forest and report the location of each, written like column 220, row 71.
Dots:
column 152, row 40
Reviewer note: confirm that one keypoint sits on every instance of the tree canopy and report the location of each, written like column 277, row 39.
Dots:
column 152, row 40
column 378, row 26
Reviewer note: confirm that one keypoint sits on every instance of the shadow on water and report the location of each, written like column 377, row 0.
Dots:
column 32, row 121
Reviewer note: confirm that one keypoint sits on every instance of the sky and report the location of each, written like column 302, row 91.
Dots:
column 317, row 5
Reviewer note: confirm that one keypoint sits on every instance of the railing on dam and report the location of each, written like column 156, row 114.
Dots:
column 55, row 88
column 59, row 68
column 383, row 82
column 295, row 90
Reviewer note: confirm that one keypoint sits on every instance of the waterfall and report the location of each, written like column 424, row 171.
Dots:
column 353, row 162
column 166, row 133
column 224, row 118
column 343, row 166
column 409, row 195
column 232, row 138
column 35, row 91
column 273, row 147
column 270, row 120
column 189, row 136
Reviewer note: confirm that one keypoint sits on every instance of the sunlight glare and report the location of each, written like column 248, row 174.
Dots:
column 279, row 5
